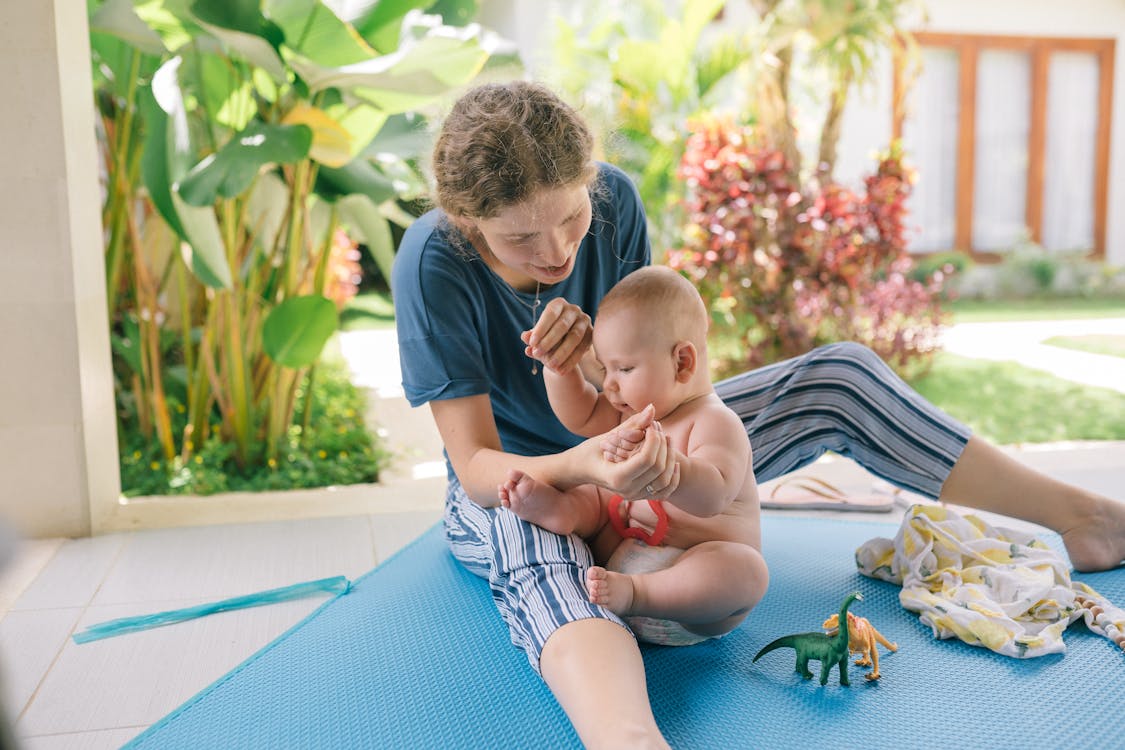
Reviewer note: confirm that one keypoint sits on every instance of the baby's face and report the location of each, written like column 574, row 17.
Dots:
column 639, row 365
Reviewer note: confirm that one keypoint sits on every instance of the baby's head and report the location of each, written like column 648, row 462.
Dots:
column 651, row 337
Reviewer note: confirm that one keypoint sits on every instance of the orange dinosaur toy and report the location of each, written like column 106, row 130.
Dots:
column 862, row 637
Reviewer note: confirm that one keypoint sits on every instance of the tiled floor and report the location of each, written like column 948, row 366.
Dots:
column 100, row 694
column 61, row 696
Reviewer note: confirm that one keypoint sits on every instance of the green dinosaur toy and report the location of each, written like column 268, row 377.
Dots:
column 828, row 650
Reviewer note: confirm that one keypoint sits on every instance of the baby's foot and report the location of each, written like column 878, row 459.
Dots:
column 1098, row 541
column 614, row 591
column 538, row 503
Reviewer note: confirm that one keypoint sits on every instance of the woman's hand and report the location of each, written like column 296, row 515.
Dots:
column 560, row 337
column 650, row 470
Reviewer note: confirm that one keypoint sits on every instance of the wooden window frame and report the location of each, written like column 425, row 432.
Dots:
column 1039, row 49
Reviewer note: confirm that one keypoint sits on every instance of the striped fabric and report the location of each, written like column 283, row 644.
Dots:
column 844, row 398
column 840, row 398
column 537, row 577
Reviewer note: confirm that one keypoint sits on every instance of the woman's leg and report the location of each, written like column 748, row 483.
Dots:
column 843, row 398
column 585, row 654
column 595, row 671
column 1092, row 526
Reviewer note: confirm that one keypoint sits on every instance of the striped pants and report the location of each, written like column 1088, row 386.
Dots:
column 840, row 398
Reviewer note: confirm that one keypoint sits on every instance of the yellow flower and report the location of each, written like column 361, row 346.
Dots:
column 322, row 454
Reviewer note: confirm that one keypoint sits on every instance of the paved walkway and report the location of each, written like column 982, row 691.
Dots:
column 1022, row 342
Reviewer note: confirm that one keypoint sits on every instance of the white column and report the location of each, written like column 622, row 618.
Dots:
column 58, row 442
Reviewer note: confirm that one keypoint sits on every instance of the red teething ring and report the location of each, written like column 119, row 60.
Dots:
column 632, row 532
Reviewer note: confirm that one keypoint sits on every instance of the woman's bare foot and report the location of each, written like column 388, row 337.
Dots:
column 1097, row 541
column 538, row 503
column 614, row 591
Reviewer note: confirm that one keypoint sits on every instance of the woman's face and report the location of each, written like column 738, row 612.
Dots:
column 534, row 242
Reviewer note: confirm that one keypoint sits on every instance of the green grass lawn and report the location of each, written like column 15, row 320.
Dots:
column 1008, row 403
column 1111, row 345
column 1067, row 308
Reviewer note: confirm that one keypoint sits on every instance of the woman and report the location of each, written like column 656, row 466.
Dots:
column 528, row 236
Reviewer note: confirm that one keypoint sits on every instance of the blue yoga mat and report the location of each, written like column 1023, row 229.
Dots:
column 415, row 656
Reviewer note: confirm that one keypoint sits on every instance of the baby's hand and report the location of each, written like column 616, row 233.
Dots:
column 561, row 336
column 624, row 442
column 649, row 471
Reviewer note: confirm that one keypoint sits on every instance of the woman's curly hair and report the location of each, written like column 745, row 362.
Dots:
column 501, row 142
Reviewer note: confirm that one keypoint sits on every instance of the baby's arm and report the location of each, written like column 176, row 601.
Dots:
column 716, row 465
column 577, row 403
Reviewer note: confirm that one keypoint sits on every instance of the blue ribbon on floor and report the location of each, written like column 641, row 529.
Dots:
column 338, row 585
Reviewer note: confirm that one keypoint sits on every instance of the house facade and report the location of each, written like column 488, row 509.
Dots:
column 1014, row 121
column 1015, row 124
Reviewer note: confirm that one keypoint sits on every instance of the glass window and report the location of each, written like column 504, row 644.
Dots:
column 929, row 136
column 1068, row 172
column 1003, row 118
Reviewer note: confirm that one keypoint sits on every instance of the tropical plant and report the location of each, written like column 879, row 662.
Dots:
column 239, row 137
column 784, row 268
column 640, row 73
column 642, row 70
column 841, row 38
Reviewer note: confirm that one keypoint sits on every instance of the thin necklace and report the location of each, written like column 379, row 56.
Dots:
column 534, row 307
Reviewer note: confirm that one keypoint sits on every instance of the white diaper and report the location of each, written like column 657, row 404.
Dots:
column 632, row 557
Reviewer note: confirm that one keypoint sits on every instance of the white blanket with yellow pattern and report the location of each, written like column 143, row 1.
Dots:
column 992, row 587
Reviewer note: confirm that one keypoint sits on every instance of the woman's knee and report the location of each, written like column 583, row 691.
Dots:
column 854, row 353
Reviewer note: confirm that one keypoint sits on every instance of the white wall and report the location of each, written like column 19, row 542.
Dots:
column 58, row 443
column 1100, row 19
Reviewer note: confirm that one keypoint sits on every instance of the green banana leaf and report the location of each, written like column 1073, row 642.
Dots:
column 243, row 16
column 171, row 20
column 369, row 224
column 362, row 121
column 313, row 30
column 223, row 89
column 240, row 25
column 118, row 18
column 204, row 251
column 429, row 64
column 295, row 332
column 455, row 12
column 230, row 171
column 168, row 153
column 379, row 21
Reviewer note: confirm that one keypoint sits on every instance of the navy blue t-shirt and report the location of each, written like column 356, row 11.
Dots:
column 459, row 324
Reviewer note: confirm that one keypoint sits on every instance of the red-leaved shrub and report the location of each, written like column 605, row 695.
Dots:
column 786, row 267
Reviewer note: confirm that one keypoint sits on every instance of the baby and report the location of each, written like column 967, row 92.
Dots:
column 685, row 567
